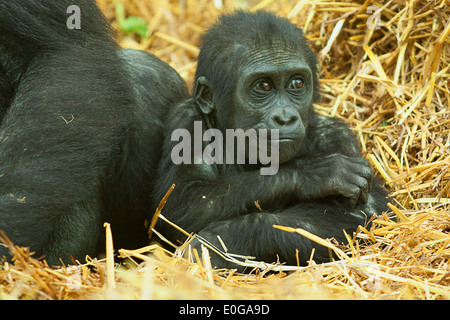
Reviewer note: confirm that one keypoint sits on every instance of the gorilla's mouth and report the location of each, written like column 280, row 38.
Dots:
column 290, row 139
column 284, row 140
column 279, row 140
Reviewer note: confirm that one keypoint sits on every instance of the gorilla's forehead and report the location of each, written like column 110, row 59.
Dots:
column 272, row 63
column 271, row 60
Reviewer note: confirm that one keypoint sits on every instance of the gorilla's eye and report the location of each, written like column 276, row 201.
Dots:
column 296, row 83
column 263, row 85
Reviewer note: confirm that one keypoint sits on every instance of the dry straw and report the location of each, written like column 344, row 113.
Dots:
column 385, row 69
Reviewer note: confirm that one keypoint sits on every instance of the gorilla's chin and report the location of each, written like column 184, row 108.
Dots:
column 279, row 151
column 288, row 148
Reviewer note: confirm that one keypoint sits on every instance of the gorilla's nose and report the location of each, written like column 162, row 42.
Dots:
column 285, row 120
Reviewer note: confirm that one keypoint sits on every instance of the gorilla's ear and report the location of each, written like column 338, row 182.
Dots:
column 203, row 95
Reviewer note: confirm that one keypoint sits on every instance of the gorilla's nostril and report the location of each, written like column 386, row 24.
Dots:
column 285, row 119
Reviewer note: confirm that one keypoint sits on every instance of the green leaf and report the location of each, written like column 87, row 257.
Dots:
column 130, row 24
column 134, row 24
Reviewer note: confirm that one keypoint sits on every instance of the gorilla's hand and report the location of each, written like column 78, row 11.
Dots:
column 337, row 175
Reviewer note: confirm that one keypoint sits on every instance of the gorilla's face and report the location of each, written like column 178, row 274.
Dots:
column 274, row 91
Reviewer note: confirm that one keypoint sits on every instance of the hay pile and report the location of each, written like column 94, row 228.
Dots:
column 390, row 82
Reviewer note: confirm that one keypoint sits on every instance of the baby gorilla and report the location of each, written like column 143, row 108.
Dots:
column 256, row 71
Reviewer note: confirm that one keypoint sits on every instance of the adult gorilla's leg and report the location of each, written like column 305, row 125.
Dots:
column 63, row 125
column 57, row 141
column 79, row 130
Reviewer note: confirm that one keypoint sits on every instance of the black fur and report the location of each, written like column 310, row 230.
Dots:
column 80, row 130
column 323, row 183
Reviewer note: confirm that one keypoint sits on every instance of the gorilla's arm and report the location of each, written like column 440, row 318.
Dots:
column 225, row 192
column 254, row 234
column 214, row 196
column 330, row 162
column 265, row 77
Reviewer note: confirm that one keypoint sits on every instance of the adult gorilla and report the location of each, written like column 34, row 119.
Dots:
column 256, row 71
column 80, row 130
